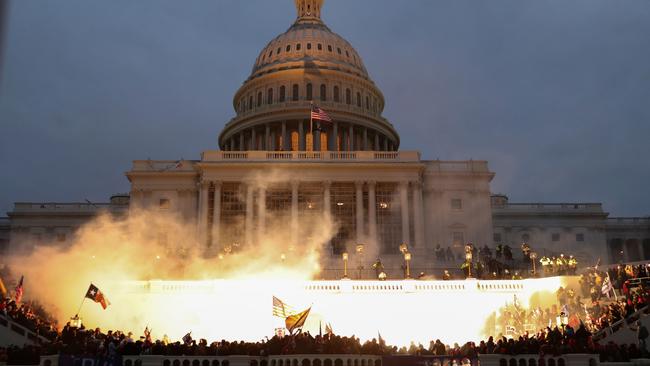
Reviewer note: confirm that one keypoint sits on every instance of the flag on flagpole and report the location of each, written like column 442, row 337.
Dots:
column 97, row 296
column 328, row 329
column 607, row 287
column 187, row 339
column 280, row 309
column 19, row 290
column 296, row 321
column 319, row 114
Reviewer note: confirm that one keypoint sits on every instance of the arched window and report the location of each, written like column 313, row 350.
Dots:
column 288, row 48
column 279, row 50
column 259, row 99
column 323, row 92
column 359, row 100
column 338, row 50
column 336, row 94
column 348, row 96
column 309, row 46
column 269, row 96
column 283, row 92
column 250, row 102
column 329, row 48
column 298, row 46
column 309, row 92
column 295, row 95
column 320, row 47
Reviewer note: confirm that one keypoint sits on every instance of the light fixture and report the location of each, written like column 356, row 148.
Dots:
column 383, row 205
column 339, row 203
column 310, row 205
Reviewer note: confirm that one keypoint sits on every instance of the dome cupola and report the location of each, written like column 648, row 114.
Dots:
column 308, row 65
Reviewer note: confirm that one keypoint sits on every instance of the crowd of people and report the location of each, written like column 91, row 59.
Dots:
column 603, row 298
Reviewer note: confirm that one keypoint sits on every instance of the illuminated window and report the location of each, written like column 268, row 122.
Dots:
column 457, row 238
column 389, row 219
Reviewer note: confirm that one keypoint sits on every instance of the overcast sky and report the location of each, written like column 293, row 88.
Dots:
column 555, row 94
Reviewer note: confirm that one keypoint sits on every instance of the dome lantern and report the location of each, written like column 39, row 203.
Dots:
column 308, row 9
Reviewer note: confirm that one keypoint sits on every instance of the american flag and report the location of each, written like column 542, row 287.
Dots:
column 319, row 114
column 280, row 309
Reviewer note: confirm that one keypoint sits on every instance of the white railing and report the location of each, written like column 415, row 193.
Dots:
column 339, row 156
column 582, row 207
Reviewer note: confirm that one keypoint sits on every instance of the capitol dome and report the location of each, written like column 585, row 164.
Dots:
column 304, row 66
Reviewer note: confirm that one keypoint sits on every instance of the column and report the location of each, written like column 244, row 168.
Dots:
column 376, row 147
column 335, row 136
column 316, row 140
column 253, row 139
column 135, row 200
column 372, row 213
column 261, row 214
column 203, row 212
column 242, row 146
column 248, row 229
column 351, row 136
column 404, row 207
column 216, row 217
column 301, row 136
column 266, row 137
column 359, row 197
column 273, row 140
column 365, row 139
column 327, row 198
column 418, row 219
column 294, row 211
column 286, row 144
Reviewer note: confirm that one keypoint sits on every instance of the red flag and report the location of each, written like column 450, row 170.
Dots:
column 97, row 296
column 19, row 290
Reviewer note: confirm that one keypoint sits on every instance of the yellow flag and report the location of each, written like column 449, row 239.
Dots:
column 3, row 289
column 296, row 321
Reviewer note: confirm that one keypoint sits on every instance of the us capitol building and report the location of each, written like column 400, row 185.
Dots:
column 273, row 167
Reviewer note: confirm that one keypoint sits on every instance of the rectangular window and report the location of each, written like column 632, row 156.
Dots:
column 456, row 204
column 580, row 237
column 164, row 204
column 496, row 237
column 457, row 238
column 555, row 237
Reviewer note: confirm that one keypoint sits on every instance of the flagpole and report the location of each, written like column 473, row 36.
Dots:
column 311, row 120
column 80, row 305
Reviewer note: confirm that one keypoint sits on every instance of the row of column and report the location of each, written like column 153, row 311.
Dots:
column 248, row 139
column 257, row 235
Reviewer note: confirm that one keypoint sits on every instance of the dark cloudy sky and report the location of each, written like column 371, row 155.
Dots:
column 555, row 94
